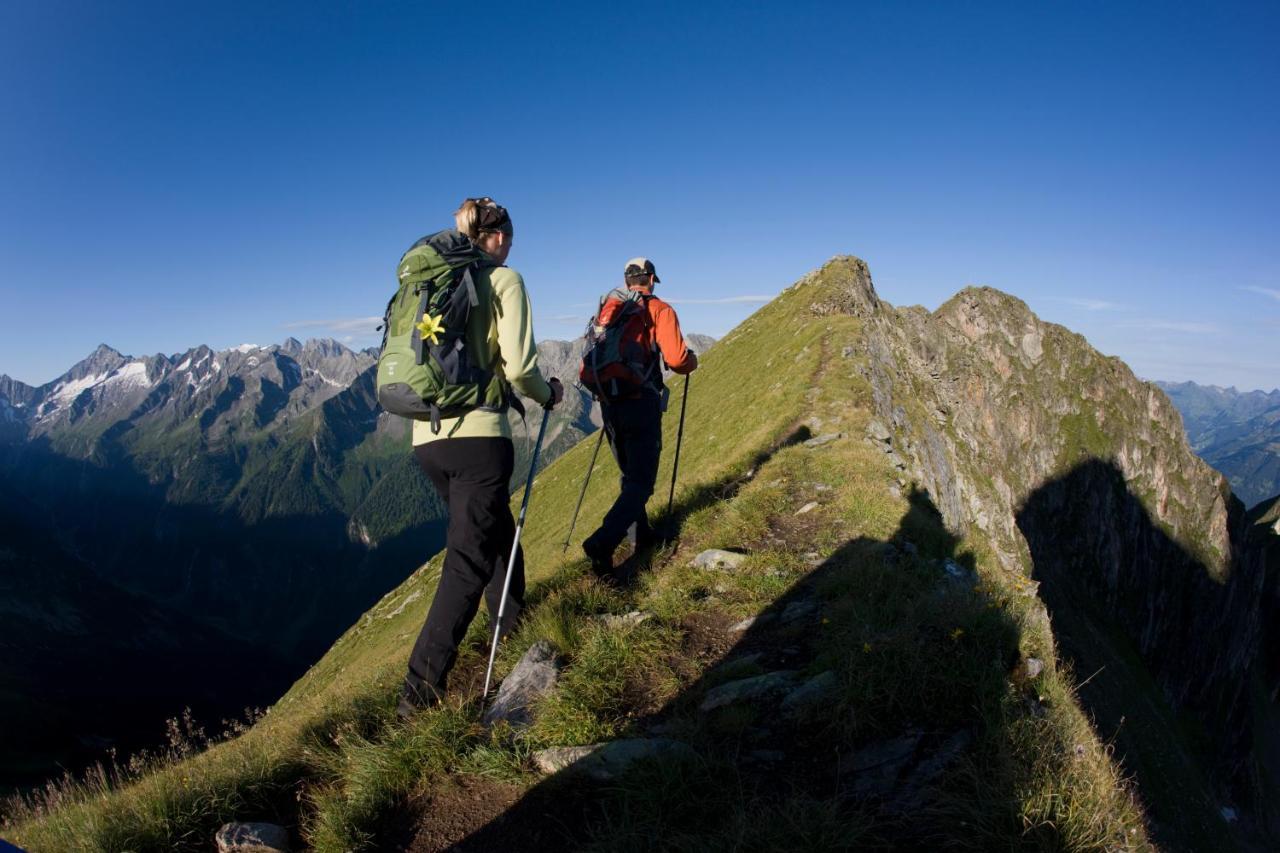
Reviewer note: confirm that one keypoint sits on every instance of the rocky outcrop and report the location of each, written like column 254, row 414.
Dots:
column 748, row 690
column 533, row 678
column 252, row 838
column 1075, row 472
column 607, row 761
column 716, row 558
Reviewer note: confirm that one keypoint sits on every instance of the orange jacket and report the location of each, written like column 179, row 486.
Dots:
column 665, row 327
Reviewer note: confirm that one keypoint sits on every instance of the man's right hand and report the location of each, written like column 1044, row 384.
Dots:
column 557, row 393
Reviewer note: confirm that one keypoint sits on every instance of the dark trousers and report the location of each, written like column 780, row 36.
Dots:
column 634, row 430
column 472, row 476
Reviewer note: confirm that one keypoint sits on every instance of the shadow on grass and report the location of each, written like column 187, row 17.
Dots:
column 1166, row 653
column 915, row 661
column 669, row 526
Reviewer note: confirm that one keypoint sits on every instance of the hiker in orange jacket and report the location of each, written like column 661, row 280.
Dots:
column 632, row 417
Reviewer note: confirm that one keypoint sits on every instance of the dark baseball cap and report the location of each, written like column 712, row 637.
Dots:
column 641, row 266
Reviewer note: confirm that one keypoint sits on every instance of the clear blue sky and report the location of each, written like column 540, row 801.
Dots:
column 183, row 173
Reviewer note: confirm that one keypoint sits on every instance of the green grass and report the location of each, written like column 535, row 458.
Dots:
column 328, row 760
column 370, row 774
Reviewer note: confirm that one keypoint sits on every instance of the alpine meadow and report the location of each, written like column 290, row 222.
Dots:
column 949, row 578
column 774, row 427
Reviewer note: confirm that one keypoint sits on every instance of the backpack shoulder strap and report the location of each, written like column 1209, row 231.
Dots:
column 645, row 298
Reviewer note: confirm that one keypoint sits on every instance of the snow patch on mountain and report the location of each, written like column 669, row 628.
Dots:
column 65, row 392
column 133, row 374
column 327, row 380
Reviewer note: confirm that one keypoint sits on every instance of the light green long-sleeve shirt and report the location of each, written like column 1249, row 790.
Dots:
column 502, row 337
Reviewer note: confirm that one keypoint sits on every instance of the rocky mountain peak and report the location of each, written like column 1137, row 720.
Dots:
column 16, row 392
column 101, row 361
column 325, row 347
column 842, row 286
column 979, row 311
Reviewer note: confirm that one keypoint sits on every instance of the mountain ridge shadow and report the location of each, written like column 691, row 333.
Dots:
column 1165, row 652
column 943, row 708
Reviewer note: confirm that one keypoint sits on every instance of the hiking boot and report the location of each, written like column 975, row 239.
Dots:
column 415, row 698
column 601, row 562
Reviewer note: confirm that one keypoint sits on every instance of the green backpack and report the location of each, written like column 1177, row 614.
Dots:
column 425, row 370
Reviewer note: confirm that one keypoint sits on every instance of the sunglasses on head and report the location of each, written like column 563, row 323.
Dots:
column 491, row 216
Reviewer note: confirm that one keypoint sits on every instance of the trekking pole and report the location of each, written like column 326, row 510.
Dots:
column 515, row 549
column 675, row 466
column 583, row 493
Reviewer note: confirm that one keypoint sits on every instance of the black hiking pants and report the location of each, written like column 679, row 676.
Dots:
column 472, row 477
column 634, row 430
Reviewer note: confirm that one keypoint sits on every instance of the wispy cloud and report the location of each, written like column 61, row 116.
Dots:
column 1172, row 326
column 564, row 318
column 356, row 325
column 728, row 300
column 1089, row 304
column 1265, row 291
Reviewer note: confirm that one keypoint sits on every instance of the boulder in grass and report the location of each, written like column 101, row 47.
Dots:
column 799, row 609
column 876, row 767
column 1028, row 669
column 534, row 677
column 745, row 689
column 252, row 838
column 714, row 558
column 915, row 789
column 625, row 620
column 957, row 577
column 819, row 441
column 814, row 693
column 878, row 432
column 606, row 761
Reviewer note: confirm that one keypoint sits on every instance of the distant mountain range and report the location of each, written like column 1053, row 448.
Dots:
column 171, row 520
column 1237, row 432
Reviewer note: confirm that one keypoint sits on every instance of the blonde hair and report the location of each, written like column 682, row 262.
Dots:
column 478, row 216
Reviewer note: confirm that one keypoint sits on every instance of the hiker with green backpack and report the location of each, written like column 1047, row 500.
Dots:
column 632, row 333
column 458, row 340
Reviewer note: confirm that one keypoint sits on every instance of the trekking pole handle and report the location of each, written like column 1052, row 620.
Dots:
column 554, row 383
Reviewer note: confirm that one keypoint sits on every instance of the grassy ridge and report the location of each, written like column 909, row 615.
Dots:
column 325, row 758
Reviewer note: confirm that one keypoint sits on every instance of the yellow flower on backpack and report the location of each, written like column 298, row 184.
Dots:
column 431, row 328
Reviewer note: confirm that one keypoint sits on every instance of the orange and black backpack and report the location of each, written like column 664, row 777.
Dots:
column 621, row 356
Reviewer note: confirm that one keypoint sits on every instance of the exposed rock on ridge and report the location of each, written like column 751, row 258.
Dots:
column 1074, row 470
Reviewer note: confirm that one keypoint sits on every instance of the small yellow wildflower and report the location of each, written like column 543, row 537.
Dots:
column 866, row 648
column 957, row 633
column 431, row 328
